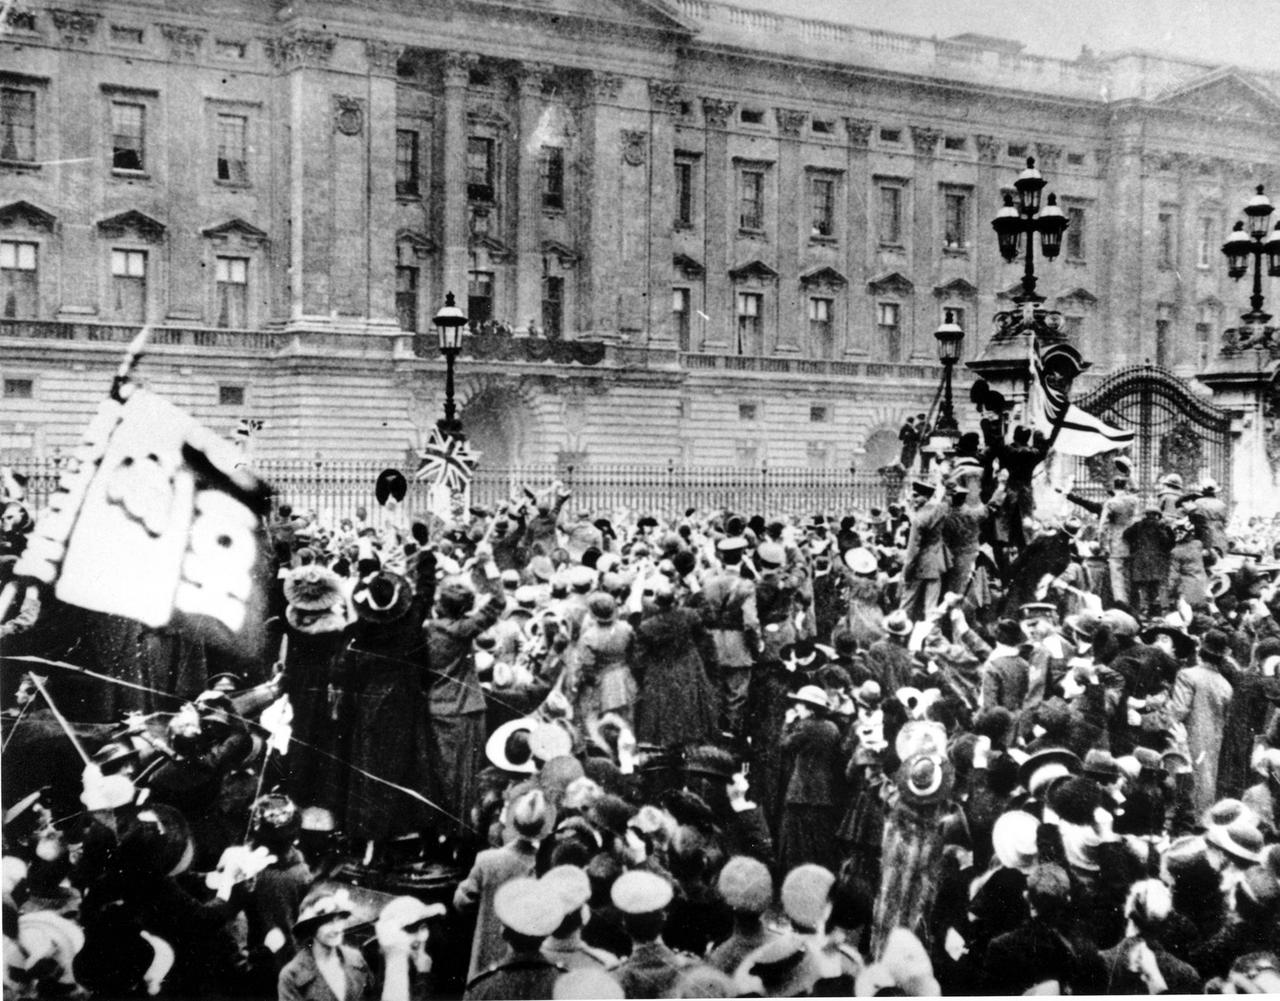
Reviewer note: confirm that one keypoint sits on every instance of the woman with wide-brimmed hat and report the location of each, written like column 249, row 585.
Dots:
column 316, row 621
column 390, row 750
column 811, row 811
column 325, row 968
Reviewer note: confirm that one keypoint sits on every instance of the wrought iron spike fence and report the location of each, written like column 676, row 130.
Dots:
column 335, row 489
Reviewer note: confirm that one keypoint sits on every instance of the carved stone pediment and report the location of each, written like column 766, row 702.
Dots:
column 495, row 248
column 566, row 255
column 757, row 270
column 1225, row 93
column 421, row 244
column 1080, row 295
column 235, row 227
column 957, row 288
column 26, row 214
column 132, row 221
column 825, row 277
column 893, row 283
column 687, row 266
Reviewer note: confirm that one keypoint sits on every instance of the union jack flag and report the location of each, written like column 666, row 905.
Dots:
column 447, row 460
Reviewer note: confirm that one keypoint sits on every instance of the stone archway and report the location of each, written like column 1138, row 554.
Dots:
column 500, row 421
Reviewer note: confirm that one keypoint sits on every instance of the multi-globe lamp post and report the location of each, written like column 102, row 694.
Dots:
column 946, row 431
column 1251, row 238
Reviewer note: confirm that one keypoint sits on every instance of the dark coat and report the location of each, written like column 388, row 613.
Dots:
column 390, row 730
column 1026, row 956
column 926, row 556
column 1004, row 682
column 320, row 695
column 454, row 687
column 651, row 970
column 677, row 702
column 1150, row 543
column 815, row 765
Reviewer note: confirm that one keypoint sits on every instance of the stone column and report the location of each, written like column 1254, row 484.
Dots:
column 601, row 232
column 925, row 245
column 793, row 215
column 529, row 199
column 380, row 233
column 989, row 274
column 1127, row 221
column 861, row 309
column 633, row 212
column 456, row 69
column 664, row 104
column 304, row 57
column 719, row 237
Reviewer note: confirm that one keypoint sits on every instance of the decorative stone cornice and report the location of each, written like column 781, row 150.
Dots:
column 687, row 266
column 565, row 255
column 988, row 148
column 925, row 139
column 348, row 114
column 456, row 68
column 859, row 132
column 382, row 57
column 823, row 278
column 184, row 42
column 300, row 50
column 75, row 26
column 635, row 147
column 790, row 121
column 605, row 87
column 717, row 112
column 665, row 96
column 420, row 243
column 246, row 231
column 1048, row 156
column 27, row 214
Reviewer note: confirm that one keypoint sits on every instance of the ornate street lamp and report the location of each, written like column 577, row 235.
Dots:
column 1023, row 216
column 1252, row 239
column 950, row 337
column 449, row 323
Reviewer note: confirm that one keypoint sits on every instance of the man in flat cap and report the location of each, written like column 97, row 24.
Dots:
column 529, row 910
column 652, row 968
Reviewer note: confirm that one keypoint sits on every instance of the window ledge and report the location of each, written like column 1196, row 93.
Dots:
column 130, row 175
column 955, row 251
column 31, row 165
column 752, row 234
column 231, row 184
column 826, row 241
column 683, row 227
column 407, row 196
column 898, row 247
column 550, row 213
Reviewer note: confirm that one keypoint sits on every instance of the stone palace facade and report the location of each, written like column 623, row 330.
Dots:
column 685, row 231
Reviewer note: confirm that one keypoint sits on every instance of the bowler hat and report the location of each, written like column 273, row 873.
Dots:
column 1214, row 645
column 1101, row 766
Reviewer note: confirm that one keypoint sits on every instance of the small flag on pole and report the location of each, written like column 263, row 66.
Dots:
column 447, row 461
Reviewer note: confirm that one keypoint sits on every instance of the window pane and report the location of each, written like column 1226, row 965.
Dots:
column 127, row 128
column 480, row 168
column 232, row 159
column 751, row 211
column 17, row 124
column 955, row 236
column 406, row 162
column 890, row 215
column 553, row 305
column 1204, row 249
column 684, row 194
column 479, row 297
column 552, row 177
column 823, row 198
column 680, row 303
column 129, row 284
column 407, row 297
column 1075, row 232
column 19, row 282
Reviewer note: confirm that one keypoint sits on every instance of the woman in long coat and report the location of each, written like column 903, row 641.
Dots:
column 390, row 726
column 1201, row 696
column 316, row 622
column 811, row 812
column 603, row 682
column 676, row 703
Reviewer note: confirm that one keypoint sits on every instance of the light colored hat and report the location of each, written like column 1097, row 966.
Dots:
column 547, row 741
column 1240, row 839
column 805, row 892
column 811, row 695
column 745, row 884
column 1014, row 839
column 861, row 560
column 638, row 891
column 898, row 623
column 408, row 913
column 570, row 885
column 319, row 908
column 528, row 907
column 587, row 983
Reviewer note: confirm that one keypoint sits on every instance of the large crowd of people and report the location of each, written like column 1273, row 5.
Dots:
column 941, row 747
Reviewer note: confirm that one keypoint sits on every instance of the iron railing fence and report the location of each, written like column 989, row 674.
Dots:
column 334, row 489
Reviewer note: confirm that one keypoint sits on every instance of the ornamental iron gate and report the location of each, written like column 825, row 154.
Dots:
column 1176, row 431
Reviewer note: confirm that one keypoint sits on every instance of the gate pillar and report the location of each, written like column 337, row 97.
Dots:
column 1245, row 383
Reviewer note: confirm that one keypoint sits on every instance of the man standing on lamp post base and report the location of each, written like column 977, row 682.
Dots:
column 926, row 556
